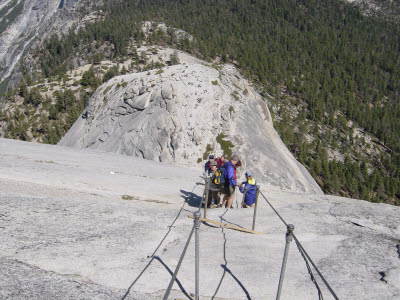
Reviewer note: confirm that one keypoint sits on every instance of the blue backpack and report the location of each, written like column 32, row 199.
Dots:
column 222, row 180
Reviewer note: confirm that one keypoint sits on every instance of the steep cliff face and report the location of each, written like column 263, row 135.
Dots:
column 31, row 18
column 25, row 22
column 175, row 114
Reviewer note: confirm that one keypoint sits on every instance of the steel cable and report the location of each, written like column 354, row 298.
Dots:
column 274, row 209
column 171, row 283
column 305, row 256
column 320, row 297
column 315, row 267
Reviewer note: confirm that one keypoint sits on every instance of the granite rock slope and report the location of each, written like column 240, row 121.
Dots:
column 175, row 113
column 68, row 233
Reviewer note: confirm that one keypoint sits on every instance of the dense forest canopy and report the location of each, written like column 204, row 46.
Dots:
column 325, row 54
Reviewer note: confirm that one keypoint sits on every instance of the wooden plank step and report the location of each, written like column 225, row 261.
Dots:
column 227, row 225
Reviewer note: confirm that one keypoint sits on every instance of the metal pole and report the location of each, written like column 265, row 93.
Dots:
column 255, row 207
column 237, row 205
column 206, row 191
column 244, row 195
column 197, row 215
column 289, row 237
column 178, row 266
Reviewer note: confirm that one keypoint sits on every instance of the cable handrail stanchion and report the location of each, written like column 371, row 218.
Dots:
column 289, row 237
column 237, row 205
column 197, row 223
column 207, row 192
column 255, row 207
column 171, row 283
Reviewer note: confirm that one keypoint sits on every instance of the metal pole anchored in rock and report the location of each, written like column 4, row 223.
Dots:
column 206, row 191
column 244, row 196
column 255, row 207
column 289, row 238
column 178, row 266
column 197, row 215
column 237, row 205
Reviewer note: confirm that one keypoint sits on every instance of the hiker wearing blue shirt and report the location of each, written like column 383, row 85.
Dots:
column 250, row 188
column 230, row 181
column 207, row 167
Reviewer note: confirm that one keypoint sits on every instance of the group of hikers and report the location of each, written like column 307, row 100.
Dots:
column 223, row 181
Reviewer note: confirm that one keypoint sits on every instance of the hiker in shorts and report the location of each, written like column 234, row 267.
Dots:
column 250, row 187
column 207, row 167
column 214, row 185
column 230, row 181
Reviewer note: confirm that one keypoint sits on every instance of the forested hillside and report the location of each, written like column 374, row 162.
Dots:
column 329, row 73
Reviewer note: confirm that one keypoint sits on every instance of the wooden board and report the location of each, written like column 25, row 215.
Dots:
column 227, row 225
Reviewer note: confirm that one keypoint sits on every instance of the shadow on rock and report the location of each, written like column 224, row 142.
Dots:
column 157, row 258
column 176, row 279
column 191, row 199
column 237, row 280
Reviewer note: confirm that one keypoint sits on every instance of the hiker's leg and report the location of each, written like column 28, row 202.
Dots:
column 231, row 196
column 230, row 200
column 252, row 205
column 209, row 198
column 224, row 200
column 216, row 197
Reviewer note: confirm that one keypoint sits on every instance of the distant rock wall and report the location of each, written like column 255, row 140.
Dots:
column 33, row 18
column 172, row 114
column 38, row 19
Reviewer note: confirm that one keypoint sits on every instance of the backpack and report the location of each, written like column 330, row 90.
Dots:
column 219, row 178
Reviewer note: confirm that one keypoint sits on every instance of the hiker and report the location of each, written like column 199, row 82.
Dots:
column 250, row 186
column 214, row 185
column 207, row 169
column 221, row 161
column 230, row 181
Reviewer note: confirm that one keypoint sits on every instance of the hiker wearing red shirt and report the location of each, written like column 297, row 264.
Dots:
column 221, row 161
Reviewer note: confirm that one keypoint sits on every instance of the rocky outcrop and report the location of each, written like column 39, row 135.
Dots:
column 172, row 114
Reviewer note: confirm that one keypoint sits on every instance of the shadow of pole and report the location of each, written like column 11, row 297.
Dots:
column 159, row 245
column 226, row 262
column 237, row 280
column 224, row 266
column 137, row 278
column 172, row 273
